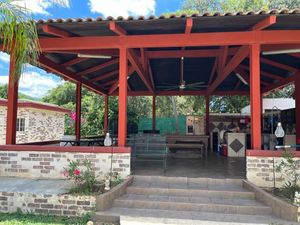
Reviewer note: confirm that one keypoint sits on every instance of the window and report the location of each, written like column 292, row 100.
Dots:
column 21, row 124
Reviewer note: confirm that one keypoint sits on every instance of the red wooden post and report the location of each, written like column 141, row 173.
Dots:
column 207, row 99
column 12, row 105
column 297, row 111
column 78, row 111
column 255, row 96
column 154, row 112
column 122, row 125
column 105, row 114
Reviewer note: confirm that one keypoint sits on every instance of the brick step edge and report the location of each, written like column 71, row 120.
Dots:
column 189, row 192
column 176, row 206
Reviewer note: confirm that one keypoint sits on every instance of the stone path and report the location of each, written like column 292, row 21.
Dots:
column 35, row 186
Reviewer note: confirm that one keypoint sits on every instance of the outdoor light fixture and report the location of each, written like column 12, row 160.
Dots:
column 241, row 78
column 279, row 132
column 94, row 56
column 285, row 51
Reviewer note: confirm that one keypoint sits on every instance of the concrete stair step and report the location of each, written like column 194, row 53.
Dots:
column 188, row 181
column 202, row 207
column 244, row 194
column 192, row 199
column 132, row 216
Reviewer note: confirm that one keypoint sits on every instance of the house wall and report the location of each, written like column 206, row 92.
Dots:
column 40, row 125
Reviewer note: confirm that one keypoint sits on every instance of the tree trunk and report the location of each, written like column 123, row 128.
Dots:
column 175, row 113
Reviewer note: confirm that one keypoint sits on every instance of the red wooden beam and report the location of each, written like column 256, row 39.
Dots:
column 139, row 69
column 297, row 55
column 48, row 64
column 213, row 71
column 98, row 67
column 107, row 52
column 279, row 65
column 116, row 84
column 283, row 82
column 264, row 23
column 105, row 126
column 255, row 97
column 113, row 26
column 207, row 101
column 153, row 112
column 172, row 40
column 108, row 83
column 263, row 73
column 184, row 93
column 122, row 121
column 245, row 76
column 12, row 105
column 183, row 53
column 297, row 106
column 232, row 64
column 147, row 67
column 105, row 76
column 73, row 62
column 78, row 111
column 188, row 25
column 57, row 31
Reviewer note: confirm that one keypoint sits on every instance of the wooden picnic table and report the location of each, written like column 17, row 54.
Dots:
column 88, row 142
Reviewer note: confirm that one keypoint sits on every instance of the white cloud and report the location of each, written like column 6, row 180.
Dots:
column 124, row 8
column 4, row 57
column 41, row 6
column 34, row 84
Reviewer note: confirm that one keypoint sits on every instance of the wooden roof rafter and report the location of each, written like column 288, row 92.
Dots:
column 98, row 67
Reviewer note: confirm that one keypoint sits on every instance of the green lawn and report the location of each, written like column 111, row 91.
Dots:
column 28, row 219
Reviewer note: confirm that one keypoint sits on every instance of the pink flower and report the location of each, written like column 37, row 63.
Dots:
column 76, row 172
column 66, row 173
column 73, row 116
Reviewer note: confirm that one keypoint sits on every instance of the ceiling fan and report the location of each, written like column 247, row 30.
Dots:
column 182, row 85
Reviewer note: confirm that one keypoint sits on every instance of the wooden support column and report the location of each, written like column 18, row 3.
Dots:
column 255, row 96
column 12, row 105
column 105, row 114
column 154, row 112
column 297, row 100
column 122, row 121
column 207, row 99
column 78, row 111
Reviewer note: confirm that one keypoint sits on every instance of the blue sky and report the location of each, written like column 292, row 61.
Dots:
column 36, row 82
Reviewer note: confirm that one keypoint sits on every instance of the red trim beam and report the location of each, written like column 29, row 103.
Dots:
column 172, row 40
column 88, row 149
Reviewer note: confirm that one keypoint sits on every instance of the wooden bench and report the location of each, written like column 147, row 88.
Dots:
column 187, row 142
column 149, row 147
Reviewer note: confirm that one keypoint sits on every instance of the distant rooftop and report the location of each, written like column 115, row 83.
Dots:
column 37, row 105
column 269, row 103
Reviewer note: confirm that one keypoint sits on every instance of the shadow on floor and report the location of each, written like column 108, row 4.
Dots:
column 214, row 166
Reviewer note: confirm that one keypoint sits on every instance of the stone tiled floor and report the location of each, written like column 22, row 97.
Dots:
column 35, row 186
column 214, row 166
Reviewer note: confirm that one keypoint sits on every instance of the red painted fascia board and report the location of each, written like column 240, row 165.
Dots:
column 81, row 149
column 37, row 106
column 267, row 153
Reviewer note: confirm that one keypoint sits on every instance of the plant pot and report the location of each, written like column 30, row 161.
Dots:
column 99, row 187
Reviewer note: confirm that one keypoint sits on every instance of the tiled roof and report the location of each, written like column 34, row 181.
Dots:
column 172, row 16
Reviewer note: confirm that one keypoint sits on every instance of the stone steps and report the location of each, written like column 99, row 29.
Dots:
column 181, row 200
column 132, row 216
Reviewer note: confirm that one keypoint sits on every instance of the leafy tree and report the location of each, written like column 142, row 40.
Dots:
column 18, row 33
column 202, row 6
column 3, row 94
column 230, row 104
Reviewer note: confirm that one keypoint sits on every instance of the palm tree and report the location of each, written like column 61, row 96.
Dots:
column 18, row 33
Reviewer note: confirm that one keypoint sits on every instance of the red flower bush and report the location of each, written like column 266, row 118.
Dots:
column 76, row 172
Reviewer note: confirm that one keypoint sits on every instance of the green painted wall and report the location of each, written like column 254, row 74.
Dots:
column 165, row 125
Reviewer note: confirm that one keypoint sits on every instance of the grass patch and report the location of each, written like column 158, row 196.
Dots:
column 19, row 218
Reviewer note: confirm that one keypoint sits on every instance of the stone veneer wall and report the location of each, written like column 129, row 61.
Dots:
column 260, row 171
column 46, row 164
column 62, row 205
column 40, row 125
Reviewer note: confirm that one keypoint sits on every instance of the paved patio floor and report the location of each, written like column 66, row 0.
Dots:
column 35, row 186
column 214, row 166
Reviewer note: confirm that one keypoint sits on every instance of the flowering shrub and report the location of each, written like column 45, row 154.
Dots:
column 83, row 175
